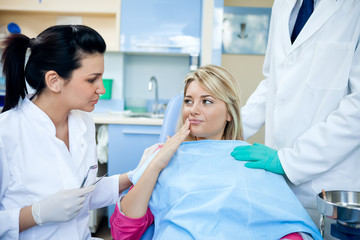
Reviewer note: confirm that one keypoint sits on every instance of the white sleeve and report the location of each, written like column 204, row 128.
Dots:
column 253, row 113
column 106, row 192
column 9, row 218
column 119, row 202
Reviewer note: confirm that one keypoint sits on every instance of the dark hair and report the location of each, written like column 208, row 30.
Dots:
column 58, row 48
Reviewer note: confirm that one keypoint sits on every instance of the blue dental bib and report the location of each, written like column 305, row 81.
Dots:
column 204, row 193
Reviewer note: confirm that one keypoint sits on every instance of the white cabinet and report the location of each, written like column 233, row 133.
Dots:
column 160, row 26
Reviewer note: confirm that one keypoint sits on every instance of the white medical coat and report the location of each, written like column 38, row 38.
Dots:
column 310, row 98
column 35, row 164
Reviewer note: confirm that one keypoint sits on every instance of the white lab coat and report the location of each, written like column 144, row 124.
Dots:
column 310, row 98
column 35, row 164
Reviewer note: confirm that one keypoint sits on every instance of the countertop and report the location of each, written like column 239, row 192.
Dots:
column 107, row 118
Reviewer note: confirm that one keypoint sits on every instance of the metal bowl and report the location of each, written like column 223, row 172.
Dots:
column 343, row 206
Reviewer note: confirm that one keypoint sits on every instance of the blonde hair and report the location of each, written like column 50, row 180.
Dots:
column 222, row 85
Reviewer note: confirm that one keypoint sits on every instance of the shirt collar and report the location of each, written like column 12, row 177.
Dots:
column 37, row 116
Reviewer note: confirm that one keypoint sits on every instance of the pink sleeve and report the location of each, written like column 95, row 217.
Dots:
column 292, row 236
column 125, row 228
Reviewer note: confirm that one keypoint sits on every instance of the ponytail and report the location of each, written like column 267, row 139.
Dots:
column 13, row 63
column 58, row 48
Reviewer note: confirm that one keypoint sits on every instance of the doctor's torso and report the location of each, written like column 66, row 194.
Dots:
column 310, row 77
column 307, row 81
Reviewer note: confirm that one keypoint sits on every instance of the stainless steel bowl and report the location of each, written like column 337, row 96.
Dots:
column 343, row 206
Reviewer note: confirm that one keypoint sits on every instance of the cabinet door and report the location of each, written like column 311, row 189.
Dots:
column 126, row 146
column 160, row 26
column 34, row 16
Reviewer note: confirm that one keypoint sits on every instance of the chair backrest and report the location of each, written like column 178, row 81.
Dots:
column 171, row 116
column 149, row 233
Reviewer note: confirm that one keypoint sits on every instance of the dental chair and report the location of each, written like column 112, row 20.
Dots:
column 168, row 129
column 171, row 116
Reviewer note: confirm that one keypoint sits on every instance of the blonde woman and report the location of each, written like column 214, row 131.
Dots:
column 193, row 189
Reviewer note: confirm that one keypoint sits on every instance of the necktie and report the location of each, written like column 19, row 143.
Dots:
column 306, row 9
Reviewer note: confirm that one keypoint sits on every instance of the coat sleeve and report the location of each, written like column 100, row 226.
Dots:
column 341, row 131
column 256, row 104
column 9, row 218
column 106, row 192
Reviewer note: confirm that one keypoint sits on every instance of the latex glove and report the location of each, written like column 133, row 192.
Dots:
column 61, row 206
column 147, row 153
column 259, row 156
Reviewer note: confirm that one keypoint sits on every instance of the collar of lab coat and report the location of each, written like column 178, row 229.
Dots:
column 77, row 141
column 77, row 130
column 72, row 164
column 36, row 116
column 322, row 13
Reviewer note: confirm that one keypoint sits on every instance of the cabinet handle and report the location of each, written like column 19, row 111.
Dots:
column 158, row 46
column 145, row 133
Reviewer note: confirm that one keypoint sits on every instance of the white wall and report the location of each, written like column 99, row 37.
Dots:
column 247, row 69
column 138, row 69
column 114, row 62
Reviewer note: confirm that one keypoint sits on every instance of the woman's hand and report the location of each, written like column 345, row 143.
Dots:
column 61, row 206
column 162, row 159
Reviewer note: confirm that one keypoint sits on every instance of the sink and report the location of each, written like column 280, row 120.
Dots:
column 130, row 114
column 146, row 115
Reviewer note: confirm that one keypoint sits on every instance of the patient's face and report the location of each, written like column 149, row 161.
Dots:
column 207, row 114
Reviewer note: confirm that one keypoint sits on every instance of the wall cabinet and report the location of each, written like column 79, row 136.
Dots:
column 126, row 146
column 33, row 16
column 160, row 26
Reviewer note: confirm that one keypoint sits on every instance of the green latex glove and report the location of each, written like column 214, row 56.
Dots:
column 259, row 156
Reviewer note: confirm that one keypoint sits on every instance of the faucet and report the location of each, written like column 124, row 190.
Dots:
column 153, row 79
